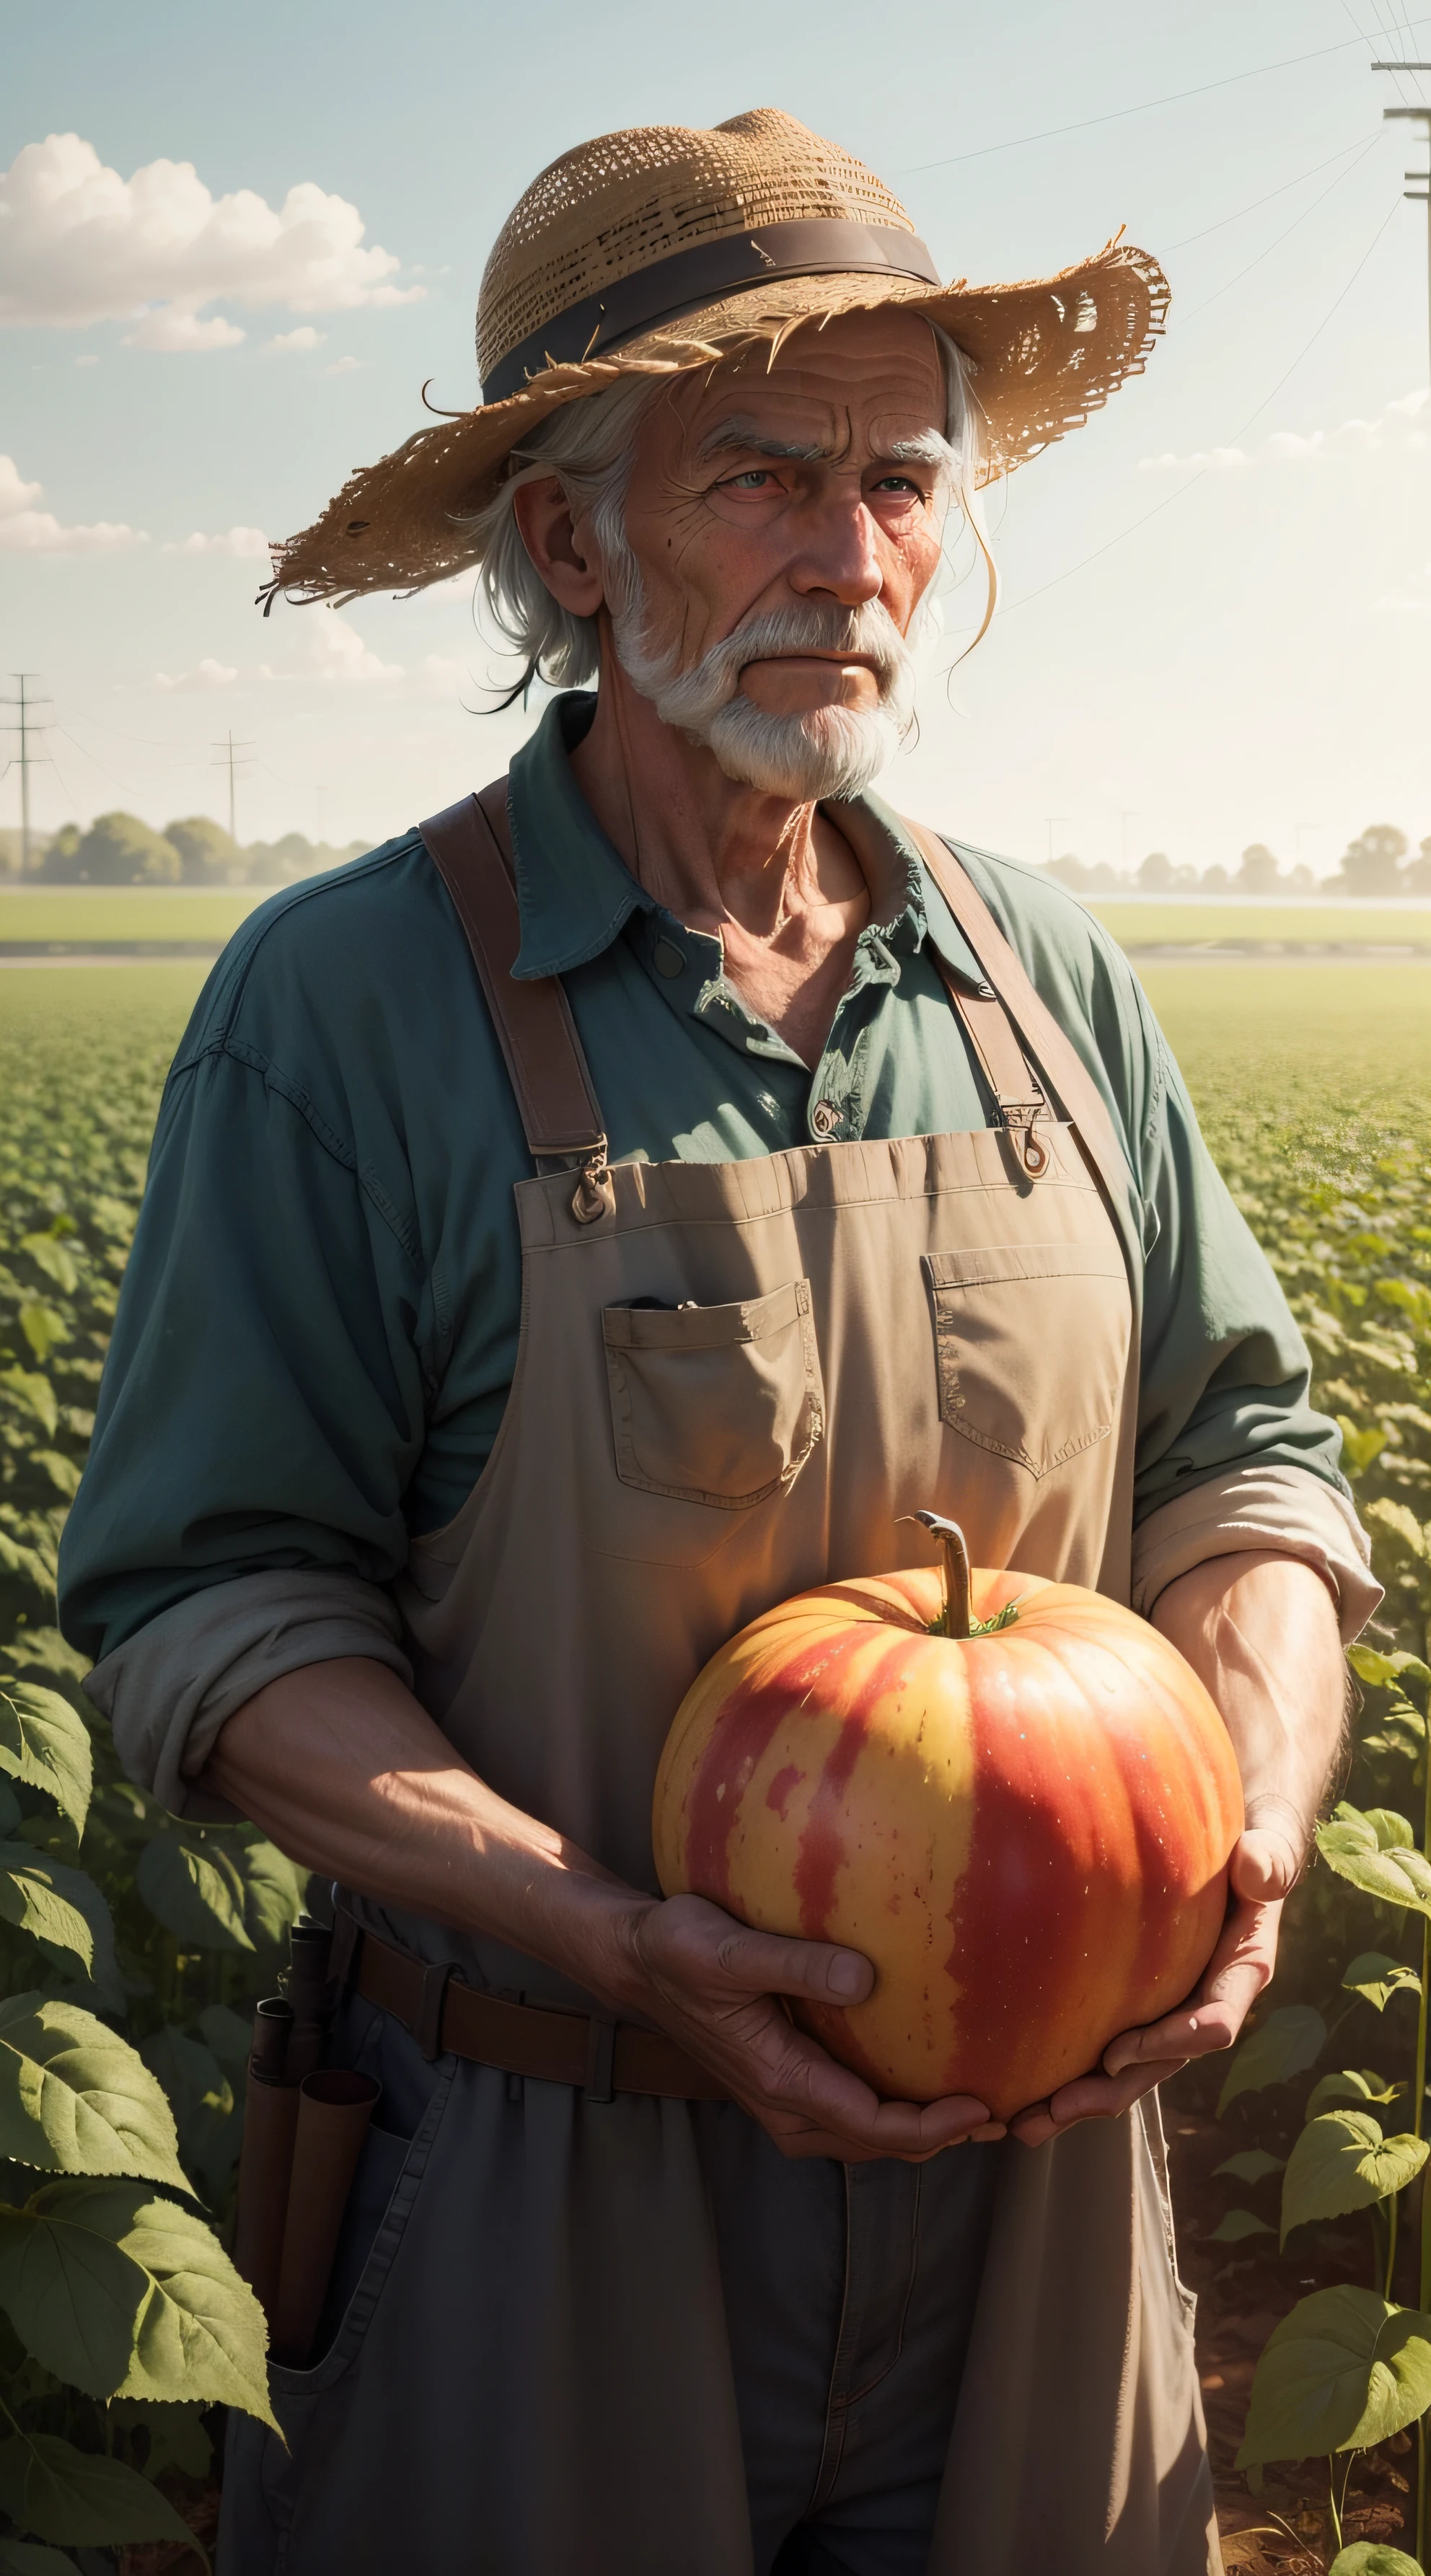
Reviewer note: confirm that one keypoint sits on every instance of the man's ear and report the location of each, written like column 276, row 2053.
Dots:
column 544, row 523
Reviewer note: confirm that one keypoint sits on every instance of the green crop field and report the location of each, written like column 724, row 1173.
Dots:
column 82, row 915
column 1314, row 1085
column 1197, row 925
column 78, row 915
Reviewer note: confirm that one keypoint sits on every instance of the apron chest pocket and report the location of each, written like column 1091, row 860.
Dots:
column 715, row 1404
column 1031, row 1346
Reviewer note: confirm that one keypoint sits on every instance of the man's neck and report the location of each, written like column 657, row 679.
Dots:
column 772, row 878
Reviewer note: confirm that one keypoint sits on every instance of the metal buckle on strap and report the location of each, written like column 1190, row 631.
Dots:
column 595, row 1192
column 1019, row 1116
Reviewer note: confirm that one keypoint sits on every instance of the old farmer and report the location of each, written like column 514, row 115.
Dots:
column 491, row 1175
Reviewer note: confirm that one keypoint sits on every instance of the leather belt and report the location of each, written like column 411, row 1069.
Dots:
column 443, row 2012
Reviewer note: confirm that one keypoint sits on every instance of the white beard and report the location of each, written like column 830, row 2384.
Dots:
column 825, row 751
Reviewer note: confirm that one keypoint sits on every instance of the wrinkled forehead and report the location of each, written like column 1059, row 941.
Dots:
column 862, row 385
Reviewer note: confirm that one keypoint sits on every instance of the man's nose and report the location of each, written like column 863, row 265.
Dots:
column 840, row 557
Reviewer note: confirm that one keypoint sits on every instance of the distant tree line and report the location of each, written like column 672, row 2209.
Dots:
column 118, row 849
column 1377, row 863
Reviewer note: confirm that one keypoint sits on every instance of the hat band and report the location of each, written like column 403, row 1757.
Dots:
column 672, row 287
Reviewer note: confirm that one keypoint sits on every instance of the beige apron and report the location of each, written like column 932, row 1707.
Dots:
column 733, row 1381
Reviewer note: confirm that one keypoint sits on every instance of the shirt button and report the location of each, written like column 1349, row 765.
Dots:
column 668, row 959
column 824, row 1118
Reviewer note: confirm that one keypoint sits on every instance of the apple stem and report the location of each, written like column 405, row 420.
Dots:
column 955, row 1618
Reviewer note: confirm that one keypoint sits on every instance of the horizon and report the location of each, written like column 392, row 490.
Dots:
column 1216, row 625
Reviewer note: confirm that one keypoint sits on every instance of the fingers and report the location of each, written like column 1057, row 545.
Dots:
column 1265, row 1865
column 696, row 1942
column 810, row 2085
column 1089, row 2097
column 765, row 1963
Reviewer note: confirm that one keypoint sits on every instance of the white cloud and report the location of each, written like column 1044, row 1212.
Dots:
column 305, row 337
column 27, row 531
column 84, row 245
column 337, row 652
column 209, row 675
column 175, row 330
column 250, row 544
column 87, row 360
column 1398, row 428
column 343, row 367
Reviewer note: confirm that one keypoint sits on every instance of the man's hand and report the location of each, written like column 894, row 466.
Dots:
column 714, row 1985
column 1260, row 1874
column 348, row 1774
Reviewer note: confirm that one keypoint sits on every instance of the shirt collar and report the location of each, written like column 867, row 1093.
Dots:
column 575, row 892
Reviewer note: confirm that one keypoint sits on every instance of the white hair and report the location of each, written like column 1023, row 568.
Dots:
column 588, row 445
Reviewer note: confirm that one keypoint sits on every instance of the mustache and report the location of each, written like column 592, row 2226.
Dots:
column 812, row 626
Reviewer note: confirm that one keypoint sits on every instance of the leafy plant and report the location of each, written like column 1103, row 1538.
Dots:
column 132, row 1946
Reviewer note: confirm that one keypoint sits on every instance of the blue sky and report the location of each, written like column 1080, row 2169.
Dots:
column 1251, row 662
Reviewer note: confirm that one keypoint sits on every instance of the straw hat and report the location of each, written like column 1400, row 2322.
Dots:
column 665, row 247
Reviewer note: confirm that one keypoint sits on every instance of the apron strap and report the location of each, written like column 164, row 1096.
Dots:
column 471, row 845
column 1022, row 1010
column 1018, row 1093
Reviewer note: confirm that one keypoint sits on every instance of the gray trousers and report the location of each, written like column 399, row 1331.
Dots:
column 848, row 2296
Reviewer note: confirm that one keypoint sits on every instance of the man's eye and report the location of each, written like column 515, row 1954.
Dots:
column 754, row 479
column 899, row 483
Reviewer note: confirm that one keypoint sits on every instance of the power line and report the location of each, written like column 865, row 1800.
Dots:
column 1224, row 220
column 27, row 759
column 1049, row 133
column 232, row 756
column 1318, row 200
column 1421, row 194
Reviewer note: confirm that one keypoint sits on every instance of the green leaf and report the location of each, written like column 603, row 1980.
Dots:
column 1398, row 1523
column 73, row 2298
column 174, row 2433
column 1349, row 2086
column 1386, row 1672
column 274, row 1891
column 1344, row 2370
column 1360, row 1445
column 1253, row 2165
column 1351, row 1846
column 1372, row 2558
column 55, row 1259
column 123, row 2294
column 42, row 1327
column 1231, row 2229
column 37, row 1895
column 1342, row 2162
column 195, row 1891
column 75, row 2098
column 1392, row 1831
column 32, row 2558
column 202, row 2100
column 1284, row 2044
column 44, row 1743
column 87, row 2501
column 1378, row 1978
column 36, row 1394
column 229, row 2036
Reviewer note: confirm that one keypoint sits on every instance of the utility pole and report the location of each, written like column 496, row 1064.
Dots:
column 232, row 756
column 1050, row 820
column 27, row 729
column 1421, row 194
